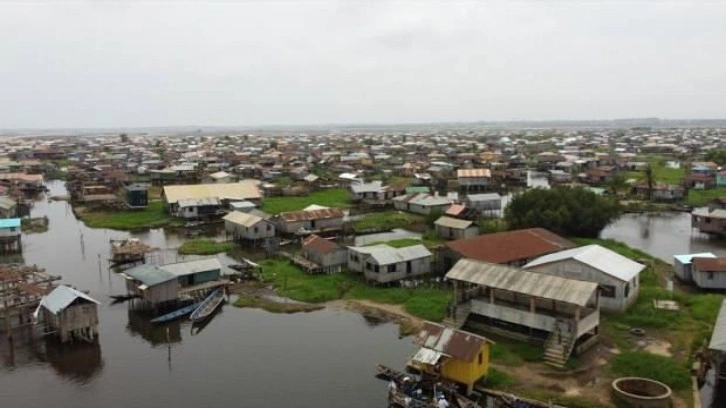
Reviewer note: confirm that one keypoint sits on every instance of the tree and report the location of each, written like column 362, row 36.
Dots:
column 566, row 211
column 717, row 156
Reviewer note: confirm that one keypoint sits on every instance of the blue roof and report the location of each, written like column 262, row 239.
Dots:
column 688, row 258
column 10, row 223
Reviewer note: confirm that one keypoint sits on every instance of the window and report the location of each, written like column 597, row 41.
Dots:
column 481, row 358
column 369, row 266
column 607, row 291
column 710, row 275
column 12, row 229
column 377, row 268
column 391, row 268
column 256, row 230
column 409, row 269
column 627, row 289
column 269, row 227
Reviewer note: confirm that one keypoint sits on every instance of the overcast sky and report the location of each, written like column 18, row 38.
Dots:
column 125, row 63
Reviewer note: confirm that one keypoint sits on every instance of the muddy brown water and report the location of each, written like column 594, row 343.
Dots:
column 244, row 358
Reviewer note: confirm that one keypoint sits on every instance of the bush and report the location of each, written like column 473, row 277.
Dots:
column 567, row 211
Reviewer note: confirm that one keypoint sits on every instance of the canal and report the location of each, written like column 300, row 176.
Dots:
column 245, row 357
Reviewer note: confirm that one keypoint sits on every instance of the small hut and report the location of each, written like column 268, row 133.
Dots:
column 70, row 313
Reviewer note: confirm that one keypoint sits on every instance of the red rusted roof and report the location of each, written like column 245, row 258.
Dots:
column 710, row 264
column 464, row 173
column 510, row 246
column 319, row 244
column 458, row 344
column 295, row 216
column 455, row 209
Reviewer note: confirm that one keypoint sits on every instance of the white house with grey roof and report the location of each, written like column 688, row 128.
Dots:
column 454, row 228
column 421, row 203
column 617, row 276
column 246, row 226
column 484, row 202
column 383, row 264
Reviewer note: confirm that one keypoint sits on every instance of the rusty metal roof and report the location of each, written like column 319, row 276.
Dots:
column 458, row 344
column 534, row 284
column 510, row 246
column 295, row 216
column 463, row 173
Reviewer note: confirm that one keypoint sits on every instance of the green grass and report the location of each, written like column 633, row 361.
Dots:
column 153, row 216
column 203, row 246
column 499, row 379
column 659, row 368
column 701, row 198
column 335, row 197
column 290, row 281
column 515, row 353
column 388, row 220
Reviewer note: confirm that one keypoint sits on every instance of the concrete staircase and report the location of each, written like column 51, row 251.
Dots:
column 457, row 319
column 558, row 349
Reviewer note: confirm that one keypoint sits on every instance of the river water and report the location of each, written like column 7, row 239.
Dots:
column 243, row 357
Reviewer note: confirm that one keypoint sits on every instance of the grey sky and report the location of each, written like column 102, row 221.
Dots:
column 123, row 63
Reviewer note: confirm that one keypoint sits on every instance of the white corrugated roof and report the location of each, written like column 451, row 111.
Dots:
column 427, row 356
column 704, row 212
column 242, row 218
column 61, row 297
column 535, row 284
column 190, row 267
column 453, row 222
column 384, row 254
column 243, row 190
column 688, row 258
column 600, row 258
column 718, row 338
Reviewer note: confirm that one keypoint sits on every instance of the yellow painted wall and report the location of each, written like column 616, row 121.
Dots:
column 467, row 372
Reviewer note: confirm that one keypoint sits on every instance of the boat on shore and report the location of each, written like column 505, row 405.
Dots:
column 208, row 305
column 176, row 314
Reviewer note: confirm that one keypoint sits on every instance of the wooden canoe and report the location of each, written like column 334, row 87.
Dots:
column 176, row 314
column 208, row 306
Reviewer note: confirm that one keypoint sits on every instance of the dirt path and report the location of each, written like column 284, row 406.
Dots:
column 409, row 323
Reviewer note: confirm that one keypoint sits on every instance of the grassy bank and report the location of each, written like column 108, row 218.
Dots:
column 203, row 246
column 685, row 330
column 701, row 198
column 153, row 216
column 334, row 197
column 290, row 281
column 389, row 220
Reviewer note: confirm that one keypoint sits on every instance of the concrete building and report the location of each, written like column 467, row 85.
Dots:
column 618, row 276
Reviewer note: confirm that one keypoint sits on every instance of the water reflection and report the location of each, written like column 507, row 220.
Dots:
column 78, row 362
column 139, row 325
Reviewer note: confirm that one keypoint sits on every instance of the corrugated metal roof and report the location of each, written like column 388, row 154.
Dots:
column 384, row 254
column 510, row 246
column 484, row 197
column 242, row 218
column 195, row 202
column 243, row 190
column 539, row 285
column 7, row 203
column 710, row 264
column 10, row 223
column 602, row 259
column 427, row 356
column 453, row 223
column 688, row 258
column 704, row 212
column 463, row 173
column 191, row 267
column 372, row 187
column 149, row 275
column 718, row 338
column 294, row 216
column 424, row 199
column 449, row 342
column 61, row 297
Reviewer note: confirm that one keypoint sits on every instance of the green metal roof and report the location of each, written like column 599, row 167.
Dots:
column 150, row 275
